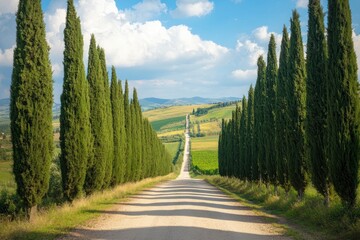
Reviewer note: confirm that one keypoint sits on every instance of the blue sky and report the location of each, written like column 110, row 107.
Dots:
column 169, row 49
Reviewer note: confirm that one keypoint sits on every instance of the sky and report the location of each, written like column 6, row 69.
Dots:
column 169, row 49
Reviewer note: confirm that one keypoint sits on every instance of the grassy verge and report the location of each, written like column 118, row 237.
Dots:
column 311, row 215
column 56, row 221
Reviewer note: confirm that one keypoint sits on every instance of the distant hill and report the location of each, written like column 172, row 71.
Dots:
column 146, row 104
column 151, row 103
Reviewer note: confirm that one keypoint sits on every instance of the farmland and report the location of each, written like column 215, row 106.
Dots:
column 170, row 121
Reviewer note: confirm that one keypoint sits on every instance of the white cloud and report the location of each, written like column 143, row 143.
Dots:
column 356, row 39
column 262, row 34
column 192, row 8
column 245, row 75
column 145, row 10
column 8, row 6
column 6, row 57
column 134, row 44
column 302, row 3
column 250, row 50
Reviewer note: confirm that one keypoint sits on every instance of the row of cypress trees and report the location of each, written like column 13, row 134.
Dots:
column 104, row 139
column 301, row 123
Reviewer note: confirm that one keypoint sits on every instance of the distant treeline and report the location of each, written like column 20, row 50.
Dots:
column 204, row 111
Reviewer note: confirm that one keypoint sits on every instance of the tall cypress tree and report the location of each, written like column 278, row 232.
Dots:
column 269, row 119
column 296, row 103
column 96, row 167
column 31, row 105
column 282, row 115
column 122, row 139
column 259, row 101
column 250, row 135
column 243, row 139
column 109, row 143
column 128, row 147
column 75, row 132
column 316, row 110
column 343, row 103
column 116, row 107
column 137, row 136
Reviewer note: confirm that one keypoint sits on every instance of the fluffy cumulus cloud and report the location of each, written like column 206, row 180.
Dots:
column 132, row 42
column 145, row 10
column 245, row 75
column 6, row 56
column 9, row 6
column 248, row 50
column 356, row 39
column 192, row 8
column 129, row 44
column 302, row 3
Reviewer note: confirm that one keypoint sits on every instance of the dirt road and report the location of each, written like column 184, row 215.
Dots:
column 182, row 209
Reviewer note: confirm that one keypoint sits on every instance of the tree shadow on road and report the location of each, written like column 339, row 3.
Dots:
column 168, row 233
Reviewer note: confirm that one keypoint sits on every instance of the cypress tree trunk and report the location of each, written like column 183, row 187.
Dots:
column 269, row 119
column 316, row 109
column 96, row 168
column 75, row 132
column 343, row 103
column 296, row 103
column 31, row 106
column 282, row 115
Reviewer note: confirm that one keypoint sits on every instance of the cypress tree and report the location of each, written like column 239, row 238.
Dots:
column 96, row 167
column 122, row 139
column 282, row 115
column 250, row 134
column 117, row 114
column 269, row 118
column 316, row 110
column 237, row 164
column 343, row 103
column 109, row 143
column 296, row 103
column 259, row 101
column 137, row 136
column 128, row 148
column 75, row 132
column 243, row 138
column 31, row 106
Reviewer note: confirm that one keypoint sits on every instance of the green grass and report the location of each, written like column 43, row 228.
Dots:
column 205, row 162
column 216, row 113
column 335, row 222
column 6, row 176
column 161, row 124
column 172, row 148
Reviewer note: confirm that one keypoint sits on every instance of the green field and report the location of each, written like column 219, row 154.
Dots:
column 172, row 148
column 169, row 124
column 205, row 161
column 6, row 176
